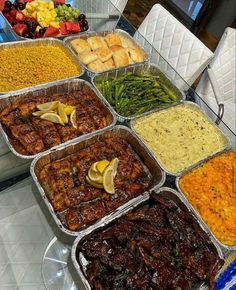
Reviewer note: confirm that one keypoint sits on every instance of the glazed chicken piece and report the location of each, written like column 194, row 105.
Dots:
column 84, row 123
column 28, row 137
column 10, row 119
column 84, row 214
column 84, row 192
column 60, row 176
column 47, row 132
column 66, row 132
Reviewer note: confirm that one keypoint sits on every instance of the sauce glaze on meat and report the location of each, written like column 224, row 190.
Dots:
column 157, row 246
column 65, row 184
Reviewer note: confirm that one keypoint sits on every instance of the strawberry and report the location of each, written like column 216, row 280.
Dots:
column 63, row 29
column 20, row 16
column 20, row 29
column 13, row 13
column 7, row 15
column 59, row 2
column 2, row 5
column 51, row 31
column 73, row 27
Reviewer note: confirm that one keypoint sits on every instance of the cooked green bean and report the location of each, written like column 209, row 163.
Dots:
column 132, row 95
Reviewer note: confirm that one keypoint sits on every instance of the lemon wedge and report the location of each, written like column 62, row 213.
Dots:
column 114, row 164
column 94, row 167
column 48, row 106
column 95, row 176
column 108, row 180
column 62, row 113
column 68, row 109
column 95, row 184
column 53, row 117
column 73, row 119
column 102, row 165
column 39, row 113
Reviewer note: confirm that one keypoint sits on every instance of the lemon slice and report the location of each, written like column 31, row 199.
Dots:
column 62, row 113
column 108, row 180
column 95, row 184
column 68, row 109
column 114, row 164
column 94, row 167
column 53, row 117
column 47, row 106
column 39, row 113
column 73, row 119
column 102, row 165
column 95, row 176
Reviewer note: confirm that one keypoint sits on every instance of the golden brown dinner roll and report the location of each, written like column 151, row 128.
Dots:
column 104, row 53
column 80, row 45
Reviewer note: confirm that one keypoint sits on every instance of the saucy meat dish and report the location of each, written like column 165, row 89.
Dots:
column 64, row 182
column 30, row 135
column 156, row 246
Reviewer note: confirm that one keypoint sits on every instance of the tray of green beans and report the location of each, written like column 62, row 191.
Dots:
column 133, row 91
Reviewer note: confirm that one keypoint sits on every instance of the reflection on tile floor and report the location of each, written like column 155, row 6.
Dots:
column 24, row 236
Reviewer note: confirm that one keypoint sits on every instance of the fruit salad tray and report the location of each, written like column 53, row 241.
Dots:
column 41, row 119
column 215, row 180
column 105, row 51
column 32, row 19
column 35, row 64
column 185, row 136
column 86, row 183
column 124, row 90
column 156, row 243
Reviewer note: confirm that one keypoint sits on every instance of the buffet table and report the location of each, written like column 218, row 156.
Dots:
column 34, row 252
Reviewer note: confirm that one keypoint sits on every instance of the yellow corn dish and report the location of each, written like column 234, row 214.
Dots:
column 179, row 136
column 22, row 67
column 211, row 189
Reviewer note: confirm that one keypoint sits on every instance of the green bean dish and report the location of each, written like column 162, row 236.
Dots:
column 131, row 95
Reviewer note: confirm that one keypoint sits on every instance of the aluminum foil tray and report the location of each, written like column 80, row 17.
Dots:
column 68, row 86
column 68, row 39
column 225, row 248
column 150, row 166
column 40, row 42
column 138, row 69
column 227, row 146
column 79, row 261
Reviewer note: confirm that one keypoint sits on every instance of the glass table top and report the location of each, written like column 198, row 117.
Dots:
column 34, row 254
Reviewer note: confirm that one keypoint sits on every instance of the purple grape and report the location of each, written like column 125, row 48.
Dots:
column 8, row 6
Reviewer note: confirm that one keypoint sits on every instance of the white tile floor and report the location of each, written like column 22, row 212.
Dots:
column 24, row 236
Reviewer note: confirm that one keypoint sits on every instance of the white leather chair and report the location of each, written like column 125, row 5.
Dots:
column 217, row 86
column 175, row 43
column 119, row 4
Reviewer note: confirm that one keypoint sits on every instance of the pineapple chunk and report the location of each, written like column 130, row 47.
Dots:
column 55, row 24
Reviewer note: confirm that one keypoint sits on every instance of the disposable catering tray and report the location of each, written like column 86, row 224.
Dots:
column 224, row 136
column 225, row 248
column 42, row 42
column 100, row 14
column 137, row 69
column 69, row 86
column 80, row 262
column 68, row 39
column 149, row 164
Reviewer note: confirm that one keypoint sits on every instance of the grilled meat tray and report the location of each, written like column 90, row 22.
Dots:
column 69, row 86
column 137, row 69
column 82, row 265
column 142, row 155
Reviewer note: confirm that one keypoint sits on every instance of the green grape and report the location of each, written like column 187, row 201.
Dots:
column 70, row 9
column 70, row 18
column 77, row 11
